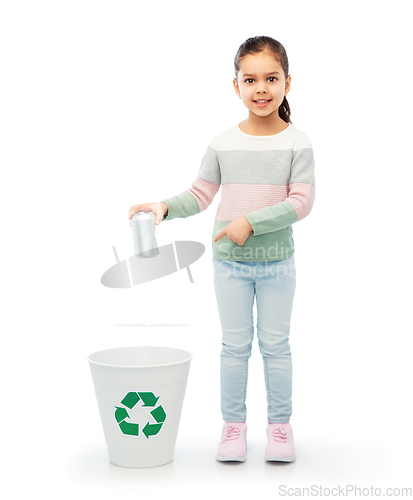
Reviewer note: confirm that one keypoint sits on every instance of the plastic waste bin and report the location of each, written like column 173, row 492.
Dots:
column 140, row 393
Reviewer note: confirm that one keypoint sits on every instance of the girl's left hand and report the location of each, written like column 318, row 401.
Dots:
column 237, row 231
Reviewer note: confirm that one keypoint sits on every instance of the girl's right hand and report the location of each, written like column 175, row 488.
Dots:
column 159, row 209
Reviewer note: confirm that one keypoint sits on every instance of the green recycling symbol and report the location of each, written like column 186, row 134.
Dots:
column 149, row 400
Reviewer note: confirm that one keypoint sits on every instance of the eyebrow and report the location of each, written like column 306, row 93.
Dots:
column 272, row 73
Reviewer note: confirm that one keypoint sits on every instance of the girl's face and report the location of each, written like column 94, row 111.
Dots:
column 261, row 78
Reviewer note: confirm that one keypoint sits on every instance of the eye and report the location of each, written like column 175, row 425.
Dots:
column 249, row 79
column 273, row 78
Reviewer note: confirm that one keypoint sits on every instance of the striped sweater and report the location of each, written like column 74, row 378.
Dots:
column 267, row 179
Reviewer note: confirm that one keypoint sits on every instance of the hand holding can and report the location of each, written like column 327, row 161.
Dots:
column 159, row 209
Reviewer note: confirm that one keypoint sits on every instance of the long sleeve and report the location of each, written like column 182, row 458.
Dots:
column 300, row 193
column 201, row 192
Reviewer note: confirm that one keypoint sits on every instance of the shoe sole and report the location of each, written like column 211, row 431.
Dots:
column 279, row 458
column 231, row 458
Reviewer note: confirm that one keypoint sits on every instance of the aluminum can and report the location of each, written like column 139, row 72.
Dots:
column 143, row 231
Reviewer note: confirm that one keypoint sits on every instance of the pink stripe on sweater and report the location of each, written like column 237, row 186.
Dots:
column 238, row 200
column 204, row 192
column 301, row 196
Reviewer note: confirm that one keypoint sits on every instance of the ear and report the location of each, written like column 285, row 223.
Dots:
column 288, row 83
column 236, row 87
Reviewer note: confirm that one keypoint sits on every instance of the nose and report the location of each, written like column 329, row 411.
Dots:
column 261, row 88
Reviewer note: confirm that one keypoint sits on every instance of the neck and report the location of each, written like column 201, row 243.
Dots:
column 265, row 125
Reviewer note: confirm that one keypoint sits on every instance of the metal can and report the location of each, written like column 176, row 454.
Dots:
column 143, row 231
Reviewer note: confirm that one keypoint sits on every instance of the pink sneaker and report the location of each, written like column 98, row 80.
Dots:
column 280, row 447
column 233, row 444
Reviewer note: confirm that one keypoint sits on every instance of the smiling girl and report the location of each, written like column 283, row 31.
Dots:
column 265, row 166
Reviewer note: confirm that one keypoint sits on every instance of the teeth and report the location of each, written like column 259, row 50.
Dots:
column 265, row 100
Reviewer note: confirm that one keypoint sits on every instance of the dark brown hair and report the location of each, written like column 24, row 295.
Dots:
column 260, row 44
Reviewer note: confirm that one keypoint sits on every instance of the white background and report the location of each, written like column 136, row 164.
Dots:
column 105, row 104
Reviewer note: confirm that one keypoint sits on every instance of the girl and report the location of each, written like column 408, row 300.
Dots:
column 266, row 168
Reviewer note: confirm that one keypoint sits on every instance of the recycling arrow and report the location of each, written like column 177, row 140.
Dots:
column 129, row 428
column 151, row 429
column 149, row 400
column 126, row 427
column 130, row 399
column 120, row 414
column 159, row 414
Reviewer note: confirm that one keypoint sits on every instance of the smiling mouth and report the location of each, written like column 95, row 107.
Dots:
column 261, row 103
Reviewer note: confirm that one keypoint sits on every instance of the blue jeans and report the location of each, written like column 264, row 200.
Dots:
column 236, row 285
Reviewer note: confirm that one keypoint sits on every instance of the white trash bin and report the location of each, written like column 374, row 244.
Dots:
column 140, row 393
